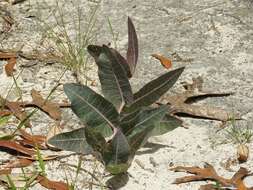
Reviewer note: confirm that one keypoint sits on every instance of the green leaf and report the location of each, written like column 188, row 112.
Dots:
column 113, row 78
column 95, row 51
column 93, row 110
column 128, row 121
column 132, row 51
column 72, row 141
column 116, row 156
column 167, row 124
column 148, row 119
column 95, row 139
column 152, row 91
column 122, row 61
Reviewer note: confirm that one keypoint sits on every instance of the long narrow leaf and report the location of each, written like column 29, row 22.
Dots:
column 127, row 122
column 90, row 107
column 122, row 61
column 113, row 76
column 116, row 156
column 132, row 51
column 152, row 91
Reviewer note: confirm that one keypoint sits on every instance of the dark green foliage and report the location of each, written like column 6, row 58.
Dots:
column 92, row 108
column 127, row 118
column 113, row 77
column 152, row 91
column 117, row 154
column 72, row 141
column 167, row 123
column 147, row 121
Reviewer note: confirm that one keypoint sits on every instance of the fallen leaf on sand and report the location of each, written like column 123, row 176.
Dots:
column 36, row 138
column 5, row 171
column 32, row 140
column 17, row 147
column 55, row 185
column 209, row 173
column 52, row 109
column 5, row 113
column 16, row 109
column 11, row 62
column 9, row 67
column 18, row 163
column 182, row 102
column 163, row 60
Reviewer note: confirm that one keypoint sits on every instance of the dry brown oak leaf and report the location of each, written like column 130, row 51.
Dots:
column 181, row 103
column 209, row 173
column 32, row 140
column 17, row 108
column 11, row 59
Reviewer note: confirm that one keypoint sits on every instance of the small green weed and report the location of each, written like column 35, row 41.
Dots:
column 239, row 134
column 68, row 35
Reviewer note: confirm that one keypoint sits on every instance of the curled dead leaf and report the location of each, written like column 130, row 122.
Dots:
column 11, row 59
column 163, row 60
column 242, row 153
column 9, row 67
column 32, row 140
column 49, row 184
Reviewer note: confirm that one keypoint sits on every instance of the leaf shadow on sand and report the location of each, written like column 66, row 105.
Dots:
column 151, row 147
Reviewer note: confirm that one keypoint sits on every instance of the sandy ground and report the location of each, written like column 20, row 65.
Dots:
column 214, row 40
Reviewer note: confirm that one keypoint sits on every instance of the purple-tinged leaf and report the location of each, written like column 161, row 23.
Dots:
column 132, row 51
column 122, row 61
column 113, row 77
column 95, row 51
